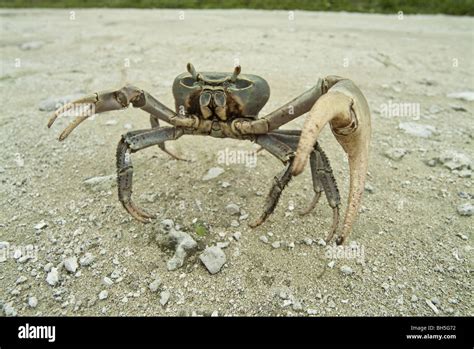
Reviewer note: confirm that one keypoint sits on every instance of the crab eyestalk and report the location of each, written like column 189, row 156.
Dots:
column 196, row 76
column 236, row 73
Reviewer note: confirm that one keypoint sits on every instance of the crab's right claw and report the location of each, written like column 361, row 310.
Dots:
column 347, row 111
column 96, row 103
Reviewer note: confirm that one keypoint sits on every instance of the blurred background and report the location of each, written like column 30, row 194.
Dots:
column 453, row 7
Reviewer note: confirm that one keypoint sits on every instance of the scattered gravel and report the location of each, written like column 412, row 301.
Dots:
column 466, row 209
column 213, row 258
column 232, row 209
column 346, row 270
column 155, row 285
column 164, row 297
column 418, row 130
column 103, row 295
column 396, row 154
column 70, row 264
column 32, row 302
column 104, row 183
column 182, row 242
column 213, row 173
column 53, row 277
column 41, row 225
column 464, row 95
column 432, row 306
column 87, row 259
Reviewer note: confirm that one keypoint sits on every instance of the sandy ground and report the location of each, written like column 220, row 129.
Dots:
column 417, row 247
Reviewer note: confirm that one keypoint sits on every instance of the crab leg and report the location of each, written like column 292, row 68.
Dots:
column 105, row 101
column 130, row 143
column 347, row 111
column 155, row 122
column 322, row 176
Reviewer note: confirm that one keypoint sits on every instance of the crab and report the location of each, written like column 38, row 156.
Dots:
column 226, row 105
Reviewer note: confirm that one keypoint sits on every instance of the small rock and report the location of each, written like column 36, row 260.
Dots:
column 321, row 242
column 53, row 277
column 308, row 241
column 232, row 209
column 32, row 45
column 225, row 184
column 462, row 236
column 183, row 244
column 416, row 129
column 234, row 223
column 369, row 188
column 87, row 259
column 414, row 298
column 101, row 183
column 331, row 264
column 456, row 107
column 215, row 313
column 164, row 297
column 167, row 224
column 223, row 244
column 21, row 280
column 311, row 311
column 464, row 95
column 395, row 154
column 213, row 173
column 213, row 258
column 237, row 235
column 107, row 281
column 454, row 160
column 276, row 244
column 385, row 286
column 263, row 239
column 155, row 285
column 70, row 264
column 103, row 295
column 346, row 270
column 41, row 225
column 111, row 122
column 466, row 209
column 9, row 310
column 33, row 302
column 432, row 306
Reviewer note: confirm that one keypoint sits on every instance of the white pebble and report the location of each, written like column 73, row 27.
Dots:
column 103, row 295
column 32, row 302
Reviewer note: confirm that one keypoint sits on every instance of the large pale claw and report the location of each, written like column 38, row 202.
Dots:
column 346, row 109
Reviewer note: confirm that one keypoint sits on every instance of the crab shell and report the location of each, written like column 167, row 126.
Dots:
column 244, row 97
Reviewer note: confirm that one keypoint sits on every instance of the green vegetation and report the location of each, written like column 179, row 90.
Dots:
column 200, row 229
column 452, row 7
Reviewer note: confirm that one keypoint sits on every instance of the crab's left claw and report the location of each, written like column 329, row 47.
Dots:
column 346, row 109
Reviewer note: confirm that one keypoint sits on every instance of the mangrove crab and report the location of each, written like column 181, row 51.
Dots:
column 227, row 105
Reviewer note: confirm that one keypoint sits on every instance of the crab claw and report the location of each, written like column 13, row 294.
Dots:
column 346, row 109
column 96, row 103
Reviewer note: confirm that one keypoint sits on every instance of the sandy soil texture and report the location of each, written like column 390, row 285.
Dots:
column 89, row 257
